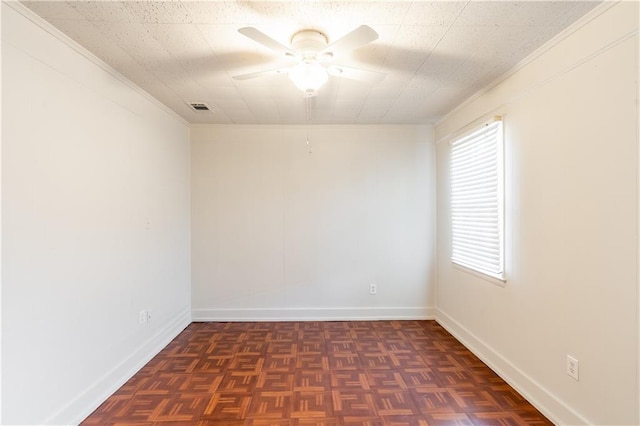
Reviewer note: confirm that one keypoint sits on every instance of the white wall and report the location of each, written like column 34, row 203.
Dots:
column 278, row 233
column 571, row 132
column 95, row 220
column 1, row 116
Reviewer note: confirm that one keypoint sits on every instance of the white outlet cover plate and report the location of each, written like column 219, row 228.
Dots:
column 573, row 367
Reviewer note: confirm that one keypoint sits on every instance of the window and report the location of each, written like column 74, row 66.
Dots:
column 477, row 205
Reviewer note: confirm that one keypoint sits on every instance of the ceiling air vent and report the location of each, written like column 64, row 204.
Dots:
column 199, row 106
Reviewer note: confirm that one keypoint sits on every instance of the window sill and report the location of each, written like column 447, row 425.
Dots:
column 497, row 280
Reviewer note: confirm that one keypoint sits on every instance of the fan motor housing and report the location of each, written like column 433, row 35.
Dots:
column 308, row 42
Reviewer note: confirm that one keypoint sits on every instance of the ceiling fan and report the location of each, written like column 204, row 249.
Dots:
column 312, row 57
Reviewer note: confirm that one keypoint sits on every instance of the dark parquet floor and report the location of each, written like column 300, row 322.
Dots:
column 316, row 373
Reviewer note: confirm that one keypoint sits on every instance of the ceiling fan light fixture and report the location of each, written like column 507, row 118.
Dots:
column 309, row 77
column 313, row 57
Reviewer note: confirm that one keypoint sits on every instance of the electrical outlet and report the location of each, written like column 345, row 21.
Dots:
column 144, row 317
column 373, row 289
column 573, row 367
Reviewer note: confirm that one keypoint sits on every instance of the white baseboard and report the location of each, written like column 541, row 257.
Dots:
column 312, row 314
column 549, row 405
column 78, row 409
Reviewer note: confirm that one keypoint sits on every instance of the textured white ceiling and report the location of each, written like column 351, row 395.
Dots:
column 435, row 54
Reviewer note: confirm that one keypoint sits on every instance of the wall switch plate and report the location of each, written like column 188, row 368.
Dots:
column 143, row 317
column 573, row 367
column 373, row 289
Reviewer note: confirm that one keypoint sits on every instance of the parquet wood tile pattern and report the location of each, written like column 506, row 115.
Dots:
column 365, row 373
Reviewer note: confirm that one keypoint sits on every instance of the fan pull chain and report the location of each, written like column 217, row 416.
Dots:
column 308, row 119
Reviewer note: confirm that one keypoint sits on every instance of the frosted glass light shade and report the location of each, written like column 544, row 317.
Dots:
column 309, row 77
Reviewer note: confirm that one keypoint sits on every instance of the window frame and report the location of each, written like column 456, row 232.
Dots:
column 473, row 138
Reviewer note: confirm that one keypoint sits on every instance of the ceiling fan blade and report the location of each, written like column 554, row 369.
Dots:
column 360, row 36
column 260, row 37
column 356, row 74
column 264, row 73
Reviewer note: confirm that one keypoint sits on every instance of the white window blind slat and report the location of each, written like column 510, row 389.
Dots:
column 476, row 175
column 487, row 236
column 469, row 156
column 472, row 175
column 479, row 199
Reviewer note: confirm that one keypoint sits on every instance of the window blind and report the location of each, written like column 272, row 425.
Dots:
column 477, row 200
